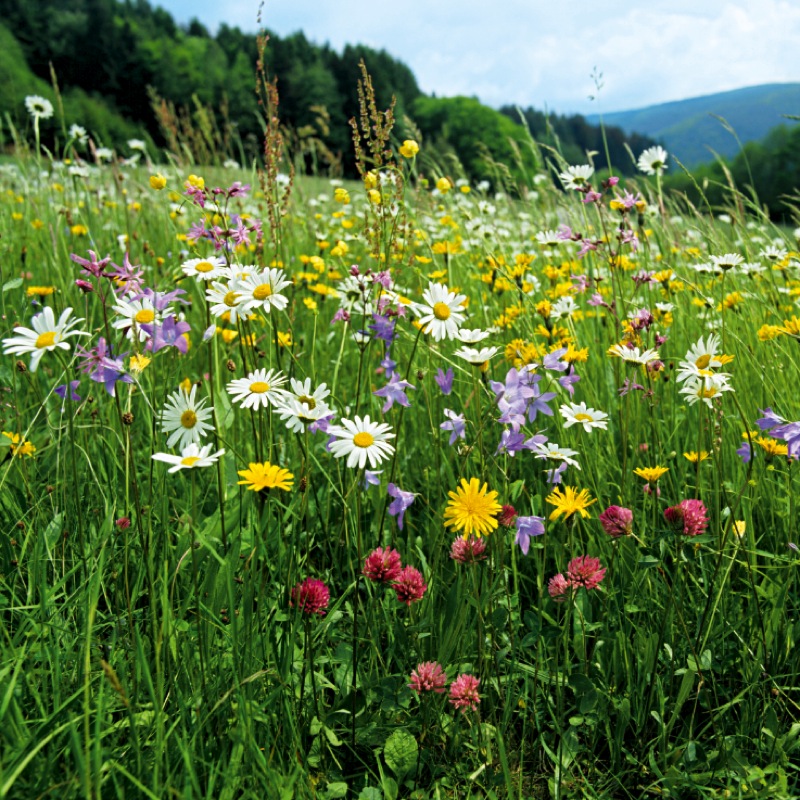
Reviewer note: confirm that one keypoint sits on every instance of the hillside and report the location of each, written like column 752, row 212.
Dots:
column 690, row 130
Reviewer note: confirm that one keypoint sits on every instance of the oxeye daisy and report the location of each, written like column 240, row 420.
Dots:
column 477, row 357
column 46, row 334
column 258, row 390
column 204, row 269
column 262, row 290
column 266, row 476
column 653, row 161
column 38, row 107
column 191, row 457
column 579, row 414
column 224, row 299
column 472, row 509
column 576, row 177
column 472, row 336
column 632, row 355
column 185, row 418
column 442, row 312
column 706, row 389
column 361, row 440
column 300, row 406
column 135, row 313
column 569, row 501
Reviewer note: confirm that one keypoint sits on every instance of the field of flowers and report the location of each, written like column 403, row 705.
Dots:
column 400, row 488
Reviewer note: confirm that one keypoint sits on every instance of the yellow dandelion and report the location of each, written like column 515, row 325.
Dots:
column 472, row 509
column 138, row 363
column 39, row 291
column 650, row 474
column 569, row 501
column 696, row 457
column 266, row 476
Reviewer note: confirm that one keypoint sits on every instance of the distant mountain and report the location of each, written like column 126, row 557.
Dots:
column 690, row 130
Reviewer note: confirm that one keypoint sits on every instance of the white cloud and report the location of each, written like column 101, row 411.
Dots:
column 542, row 54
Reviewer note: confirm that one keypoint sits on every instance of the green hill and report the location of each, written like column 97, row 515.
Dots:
column 690, row 129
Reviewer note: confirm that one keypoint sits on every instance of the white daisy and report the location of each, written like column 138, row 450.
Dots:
column 134, row 313
column 361, row 441
column 548, row 238
column 653, row 161
column 576, row 177
column 45, row 335
column 185, row 418
column 204, row 269
column 477, row 357
column 191, row 457
column 632, row 355
column 442, row 312
column 706, row 388
column 262, row 290
column 297, row 415
column 472, row 336
column 774, row 252
column 564, row 307
column 258, row 390
column 38, row 107
column 727, row 261
column 223, row 299
column 78, row 134
column 704, row 353
column 556, row 453
column 579, row 414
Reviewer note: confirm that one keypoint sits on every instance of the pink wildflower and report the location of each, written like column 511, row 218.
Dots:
column 689, row 516
column 617, row 521
column 383, row 565
column 311, row 596
column 507, row 516
column 409, row 586
column 469, row 550
column 558, row 588
column 585, row 571
column 464, row 692
column 428, row 677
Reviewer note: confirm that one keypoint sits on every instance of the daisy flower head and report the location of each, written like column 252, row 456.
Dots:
column 568, row 502
column 632, row 355
column 204, row 269
column 442, row 312
column 298, row 415
column 576, row 177
column 224, row 299
column 262, row 290
column 258, row 477
column 472, row 509
column 191, row 457
column 727, row 261
column 475, row 356
column 579, row 414
column 705, row 354
column 362, row 440
column 706, row 389
column 135, row 313
column 551, row 450
column 185, row 418
column 46, row 334
column 259, row 389
column 38, row 107
column 472, row 336
column 653, row 161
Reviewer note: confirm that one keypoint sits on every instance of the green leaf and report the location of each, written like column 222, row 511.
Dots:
column 14, row 283
column 370, row 793
column 400, row 752
column 338, row 789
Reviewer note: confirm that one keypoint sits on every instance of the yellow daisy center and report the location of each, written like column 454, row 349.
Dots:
column 703, row 361
column 708, row 392
column 259, row 387
column 188, row 419
column 363, row 439
column 583, row 417
column 230, row 299
column 190, row 461
column 309, row 401
column 47, row 339
column 441, row 311
column 262, row 291
column 204, row 266
column 146, row 315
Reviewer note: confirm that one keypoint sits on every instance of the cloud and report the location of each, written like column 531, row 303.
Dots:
column 543, row 54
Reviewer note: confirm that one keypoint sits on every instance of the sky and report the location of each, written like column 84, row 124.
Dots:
column 543, row 53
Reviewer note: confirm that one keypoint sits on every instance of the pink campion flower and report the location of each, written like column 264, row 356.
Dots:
column 428, row 677
column 409, row 586
column 469, row 550
column 690, row 517
column 585, row 571
column 617, row 521
column 586, row 246
column 558, row 588
column 311, row 596
column 92, row 266
column 383, row 565
column 464, row 693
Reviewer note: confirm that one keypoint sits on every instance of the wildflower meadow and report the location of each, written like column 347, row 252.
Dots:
column 404, row 487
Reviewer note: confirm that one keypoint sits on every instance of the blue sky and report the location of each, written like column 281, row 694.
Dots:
column 543, row 52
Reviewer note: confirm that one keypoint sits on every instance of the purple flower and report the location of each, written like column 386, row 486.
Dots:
column 168, row 334
column 553, row 360
column 102, row 366
column 93, row 266
column 526, row 528
column 554, row 475
column 564, row 233
column 456, row 424
column 445, row 380
column 402, row 500
column 383, row 328
column 372, row 478
column 586, row 246
column 568, row 381
column 61, row 391
column 341, row 316
column 394, row 392
column 128, row 277
column 539, row 402
column 769, row 420
column 745, row 452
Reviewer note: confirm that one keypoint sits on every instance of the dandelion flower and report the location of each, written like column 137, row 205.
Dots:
column 472, row 509
column 18, row 445
column 651, row 474
column 45, row 335
column 185, row 418
column 569, row 501
column 266, row 476
column 442, row 312
column 362, row 440
column 191, row 457
column 259, row 389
